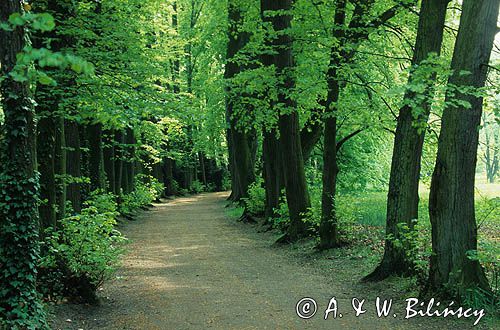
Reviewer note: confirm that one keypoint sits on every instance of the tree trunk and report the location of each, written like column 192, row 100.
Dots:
column 128, row 165
column 328, row 229
column 272, row 173
column 492, row 153
column 60, row 162
column 73, row 165
column 108, row 151
column 203, row 169
column 288, row 122
column 168, row 177
column 96, row 171
column 451, row 201
column 46, row 165
column 19, row 227
column 402, row 199
column 119, row 161
column 241, row 164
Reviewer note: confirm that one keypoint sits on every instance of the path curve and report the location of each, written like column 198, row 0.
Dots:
column 192, row 267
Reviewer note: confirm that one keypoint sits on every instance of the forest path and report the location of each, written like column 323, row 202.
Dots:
column 190, row 266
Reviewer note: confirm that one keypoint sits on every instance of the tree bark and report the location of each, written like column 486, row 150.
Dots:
column 402, row 199
column 46, row 154
column 272, row 173
column 451, row 202
column 19, row 227
column 129, row 160
column 241, row 164
column 60, row 162
column 96, row 170
column 108, row 151
column 73, row 165
column 328, row 229
column 288, row 123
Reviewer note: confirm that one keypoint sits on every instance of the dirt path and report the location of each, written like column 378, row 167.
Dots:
column 191, row 267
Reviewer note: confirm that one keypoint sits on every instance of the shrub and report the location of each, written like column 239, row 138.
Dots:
column 255, row 203
column 197, row 187
column 281, row 218
column 147, row 189
column 83, row 252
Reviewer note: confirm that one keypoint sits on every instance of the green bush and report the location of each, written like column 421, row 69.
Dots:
column 82, row 252
column 197, row 187
column 147, row 190
column 281, row 218
column 255, row 203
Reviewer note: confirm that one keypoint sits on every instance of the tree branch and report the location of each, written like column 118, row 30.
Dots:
column 363, row 30
column 348, row 137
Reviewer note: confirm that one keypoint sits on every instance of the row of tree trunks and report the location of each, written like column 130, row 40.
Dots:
column 402, row 199
column 290, row 145
column 451, row 201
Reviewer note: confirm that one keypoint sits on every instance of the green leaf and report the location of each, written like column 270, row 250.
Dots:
column 16, row 19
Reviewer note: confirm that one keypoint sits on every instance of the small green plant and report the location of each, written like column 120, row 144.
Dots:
column 415, row 240
column 197, row 187
column 82, row 252
column 255, row 203
column 281, row 218
column 147, row 189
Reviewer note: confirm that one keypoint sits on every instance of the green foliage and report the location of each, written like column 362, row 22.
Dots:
column 197, row 187
column 488, row 218
column 281, row 219
column 255, row 203
column 42, row 21
column 20, row 307
column 83, row 252
column 147, row 189
column 416, row 243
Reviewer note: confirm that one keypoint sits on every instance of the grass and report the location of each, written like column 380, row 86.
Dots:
column 371, row 207
column 369, row 211
column 234, row 211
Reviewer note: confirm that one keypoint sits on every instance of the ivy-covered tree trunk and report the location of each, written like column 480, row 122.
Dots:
column 73, row 165
column 19, row 228
column 402, row 200
column 451, row 202
column 290, row 144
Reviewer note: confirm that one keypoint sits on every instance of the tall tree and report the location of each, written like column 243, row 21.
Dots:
column 402, row 200
column 19, row 247
column 288, row 123
column 239, row 139
column 348, row 37
column 451, row 202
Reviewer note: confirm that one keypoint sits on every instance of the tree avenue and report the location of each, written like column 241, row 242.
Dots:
column 366, row 129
